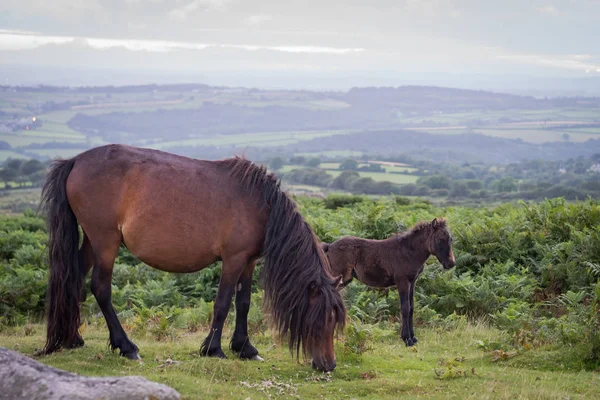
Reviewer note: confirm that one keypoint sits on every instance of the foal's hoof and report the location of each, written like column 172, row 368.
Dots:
column 409, row 342
column 257, row 358
column 132, row 355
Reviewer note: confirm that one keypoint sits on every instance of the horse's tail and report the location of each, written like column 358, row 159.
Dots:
column 325, row 246
column 65, row 280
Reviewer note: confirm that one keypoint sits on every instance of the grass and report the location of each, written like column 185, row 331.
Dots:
column 389, row 371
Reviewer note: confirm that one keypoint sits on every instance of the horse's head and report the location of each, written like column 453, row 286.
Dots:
column 325, row 313
column 441, row 243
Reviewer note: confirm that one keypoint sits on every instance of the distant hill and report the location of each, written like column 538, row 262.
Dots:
column 215, row 121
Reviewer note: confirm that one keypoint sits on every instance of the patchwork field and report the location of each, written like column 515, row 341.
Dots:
column 242, row 118
column 393, row 174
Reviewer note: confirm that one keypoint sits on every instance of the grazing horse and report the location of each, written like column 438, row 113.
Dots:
column 398, row 260
column 180, row 215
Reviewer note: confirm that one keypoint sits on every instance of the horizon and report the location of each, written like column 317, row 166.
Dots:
column 326, row 45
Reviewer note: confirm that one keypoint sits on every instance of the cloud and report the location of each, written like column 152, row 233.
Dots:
column 60, row 9
column 429, row 7
column 16, row 40
column 548, row 10
column 579, row 62
column 191, row 7
column 256, row 20
column 12, row 41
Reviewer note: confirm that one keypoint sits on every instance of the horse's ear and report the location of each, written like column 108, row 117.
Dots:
column 339, row 282
column 435, row 223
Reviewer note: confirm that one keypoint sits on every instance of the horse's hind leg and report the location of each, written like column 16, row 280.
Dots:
column 105, row 253
column 86, row 260
column 240, row 343
column 231, row 272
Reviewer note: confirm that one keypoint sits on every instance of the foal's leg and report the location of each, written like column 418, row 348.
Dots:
column 412, row 308
column 232, row 269
column 403, row 286
column 240, row 343
column 105, row 254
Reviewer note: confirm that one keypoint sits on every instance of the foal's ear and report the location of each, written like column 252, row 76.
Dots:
column 339, row 282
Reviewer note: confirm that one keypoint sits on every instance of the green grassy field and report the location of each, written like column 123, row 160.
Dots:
column 14, row 202
column 332, row 153
column 388, row 168
column 6, row 154
column 398, row 178
column 537, row 135
column 265, row 139
column 443, row 365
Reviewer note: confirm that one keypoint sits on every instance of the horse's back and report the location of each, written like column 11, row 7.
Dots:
column 173, row 212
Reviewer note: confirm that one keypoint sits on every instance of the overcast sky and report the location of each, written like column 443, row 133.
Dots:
column 534, row 37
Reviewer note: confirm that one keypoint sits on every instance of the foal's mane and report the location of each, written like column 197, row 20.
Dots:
column 294, row 263
column 423, row 227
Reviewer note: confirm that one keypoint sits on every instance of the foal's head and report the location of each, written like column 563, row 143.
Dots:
column 440, row 243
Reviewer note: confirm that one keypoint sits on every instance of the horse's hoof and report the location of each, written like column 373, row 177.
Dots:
column 133, row 356
column 78, row 342
column 257, row 358
column 414, row 340
column 217, row 353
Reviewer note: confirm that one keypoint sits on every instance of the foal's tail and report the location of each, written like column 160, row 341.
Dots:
column 65, row 280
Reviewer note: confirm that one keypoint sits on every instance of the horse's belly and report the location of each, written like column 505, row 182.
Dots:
column 169, row 252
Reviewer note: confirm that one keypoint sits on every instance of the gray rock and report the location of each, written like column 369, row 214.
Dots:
column 24, row 378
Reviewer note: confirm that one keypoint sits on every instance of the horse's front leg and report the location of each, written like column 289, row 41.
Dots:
column 412, row 309
column 240, row 343
column 231, row 271
column 403, row 286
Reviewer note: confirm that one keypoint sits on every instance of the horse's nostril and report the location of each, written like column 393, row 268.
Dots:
column 331, row 367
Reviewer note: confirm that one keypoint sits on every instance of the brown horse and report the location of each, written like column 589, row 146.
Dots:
column 180, row 215
column 398, row 260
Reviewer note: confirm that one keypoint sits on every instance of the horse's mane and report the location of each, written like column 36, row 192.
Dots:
column 294, row 263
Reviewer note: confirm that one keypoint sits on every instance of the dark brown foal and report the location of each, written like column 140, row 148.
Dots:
column 398, row 260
